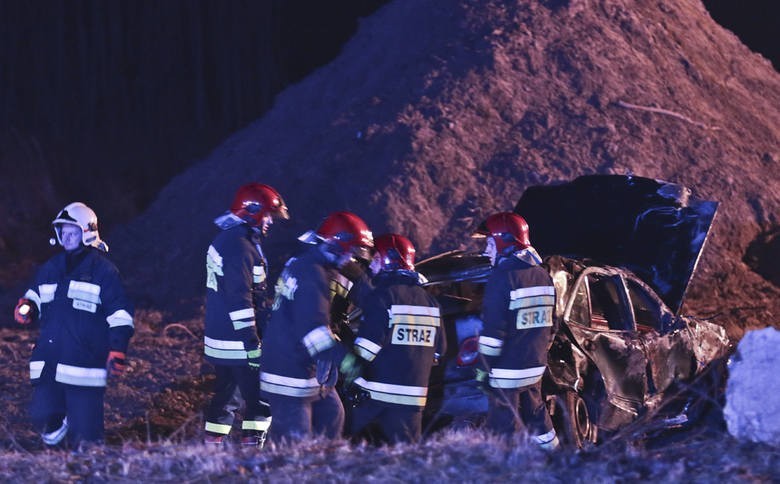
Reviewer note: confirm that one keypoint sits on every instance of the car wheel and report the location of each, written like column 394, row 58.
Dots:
column 573, row 421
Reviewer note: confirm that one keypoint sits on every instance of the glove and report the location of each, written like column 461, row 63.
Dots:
column 116, row 364
column 481, row 377
column 25, row 311
column 351, row 367
column 253, row 357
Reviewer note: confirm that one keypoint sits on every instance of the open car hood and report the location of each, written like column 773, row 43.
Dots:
column 655, row 228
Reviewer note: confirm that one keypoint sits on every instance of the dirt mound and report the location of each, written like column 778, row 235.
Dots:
column 435, row 115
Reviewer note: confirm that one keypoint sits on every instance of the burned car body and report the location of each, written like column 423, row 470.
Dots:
column 621, row 251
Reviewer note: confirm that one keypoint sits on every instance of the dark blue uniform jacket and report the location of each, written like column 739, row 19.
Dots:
column 236, row 286
column 299, row 333
column 400, row 332
column 517, row 314
column 84, row 314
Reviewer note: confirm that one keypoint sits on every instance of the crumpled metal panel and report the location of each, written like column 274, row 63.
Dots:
column 621, row 362
column 709, row 341
column 670, row 359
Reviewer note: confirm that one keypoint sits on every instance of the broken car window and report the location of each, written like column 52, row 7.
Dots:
column 605, row 304
column 647, row 312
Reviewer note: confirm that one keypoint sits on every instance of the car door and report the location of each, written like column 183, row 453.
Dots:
column 600, row 320
column 667, row 345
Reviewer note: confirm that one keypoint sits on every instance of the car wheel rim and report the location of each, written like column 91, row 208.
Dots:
column 581, row 417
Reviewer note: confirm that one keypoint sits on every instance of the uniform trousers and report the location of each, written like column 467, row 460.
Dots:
column 220, row 412
column 398, row 423
column 503, row 406
column 298, row 418
column 52, row 401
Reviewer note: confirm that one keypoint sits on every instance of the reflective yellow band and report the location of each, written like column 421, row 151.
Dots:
column 247, row 313
column 224, row 350
column 366, row 348
column 84, row 377
column 512, row 378
column 339, row 286
column 532, row 291
column 415, row 310
column 289, row 386
column 36, row 368
column 217, row 428
column 258, row 274
column 237, row 325
column 214, row 255
column 223, row 344
column 242, row 318
column 414, row 315
column 490, row 346
column 85, row 291
column 391, row 393
column 33, row 296
column 530, row 302
column 261, row 425
column 318, row 340
column 120, row 318
column 47, row 292
column 547, row 441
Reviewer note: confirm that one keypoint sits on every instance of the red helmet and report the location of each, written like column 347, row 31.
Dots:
column 348, row 232
column 395, row 252
column 254, row 201
column 509, row 230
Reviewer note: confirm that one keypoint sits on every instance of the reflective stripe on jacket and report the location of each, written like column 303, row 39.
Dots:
column 84, row 314
column 298, row 332
column 399, row 335
column 235, row 282
column 517, row 314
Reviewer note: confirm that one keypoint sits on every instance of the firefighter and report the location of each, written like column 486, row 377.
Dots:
column 86, row 323
column 399, row 339
column 517, row 313
column 237, row 300
column 301, row 356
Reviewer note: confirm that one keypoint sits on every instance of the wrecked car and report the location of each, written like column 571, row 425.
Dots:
column 621, row 251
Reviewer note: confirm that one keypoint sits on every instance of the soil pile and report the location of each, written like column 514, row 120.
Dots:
column 435, row 115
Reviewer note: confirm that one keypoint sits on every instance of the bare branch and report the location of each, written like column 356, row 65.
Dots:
column 668, row 113
column 180, row 326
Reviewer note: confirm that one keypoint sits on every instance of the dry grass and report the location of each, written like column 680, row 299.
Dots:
column 454, row 456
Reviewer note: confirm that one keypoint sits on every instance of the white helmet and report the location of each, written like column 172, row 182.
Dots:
column 84, row 217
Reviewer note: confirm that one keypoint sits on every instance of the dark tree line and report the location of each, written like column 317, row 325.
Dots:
column 129, row 91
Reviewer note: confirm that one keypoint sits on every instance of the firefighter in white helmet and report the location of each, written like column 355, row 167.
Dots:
column 86, row 322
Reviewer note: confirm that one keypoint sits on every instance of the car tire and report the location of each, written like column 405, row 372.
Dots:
column 573, row 422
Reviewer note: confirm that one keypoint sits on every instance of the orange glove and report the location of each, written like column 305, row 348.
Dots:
column 116, row 364
column 25, row 311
